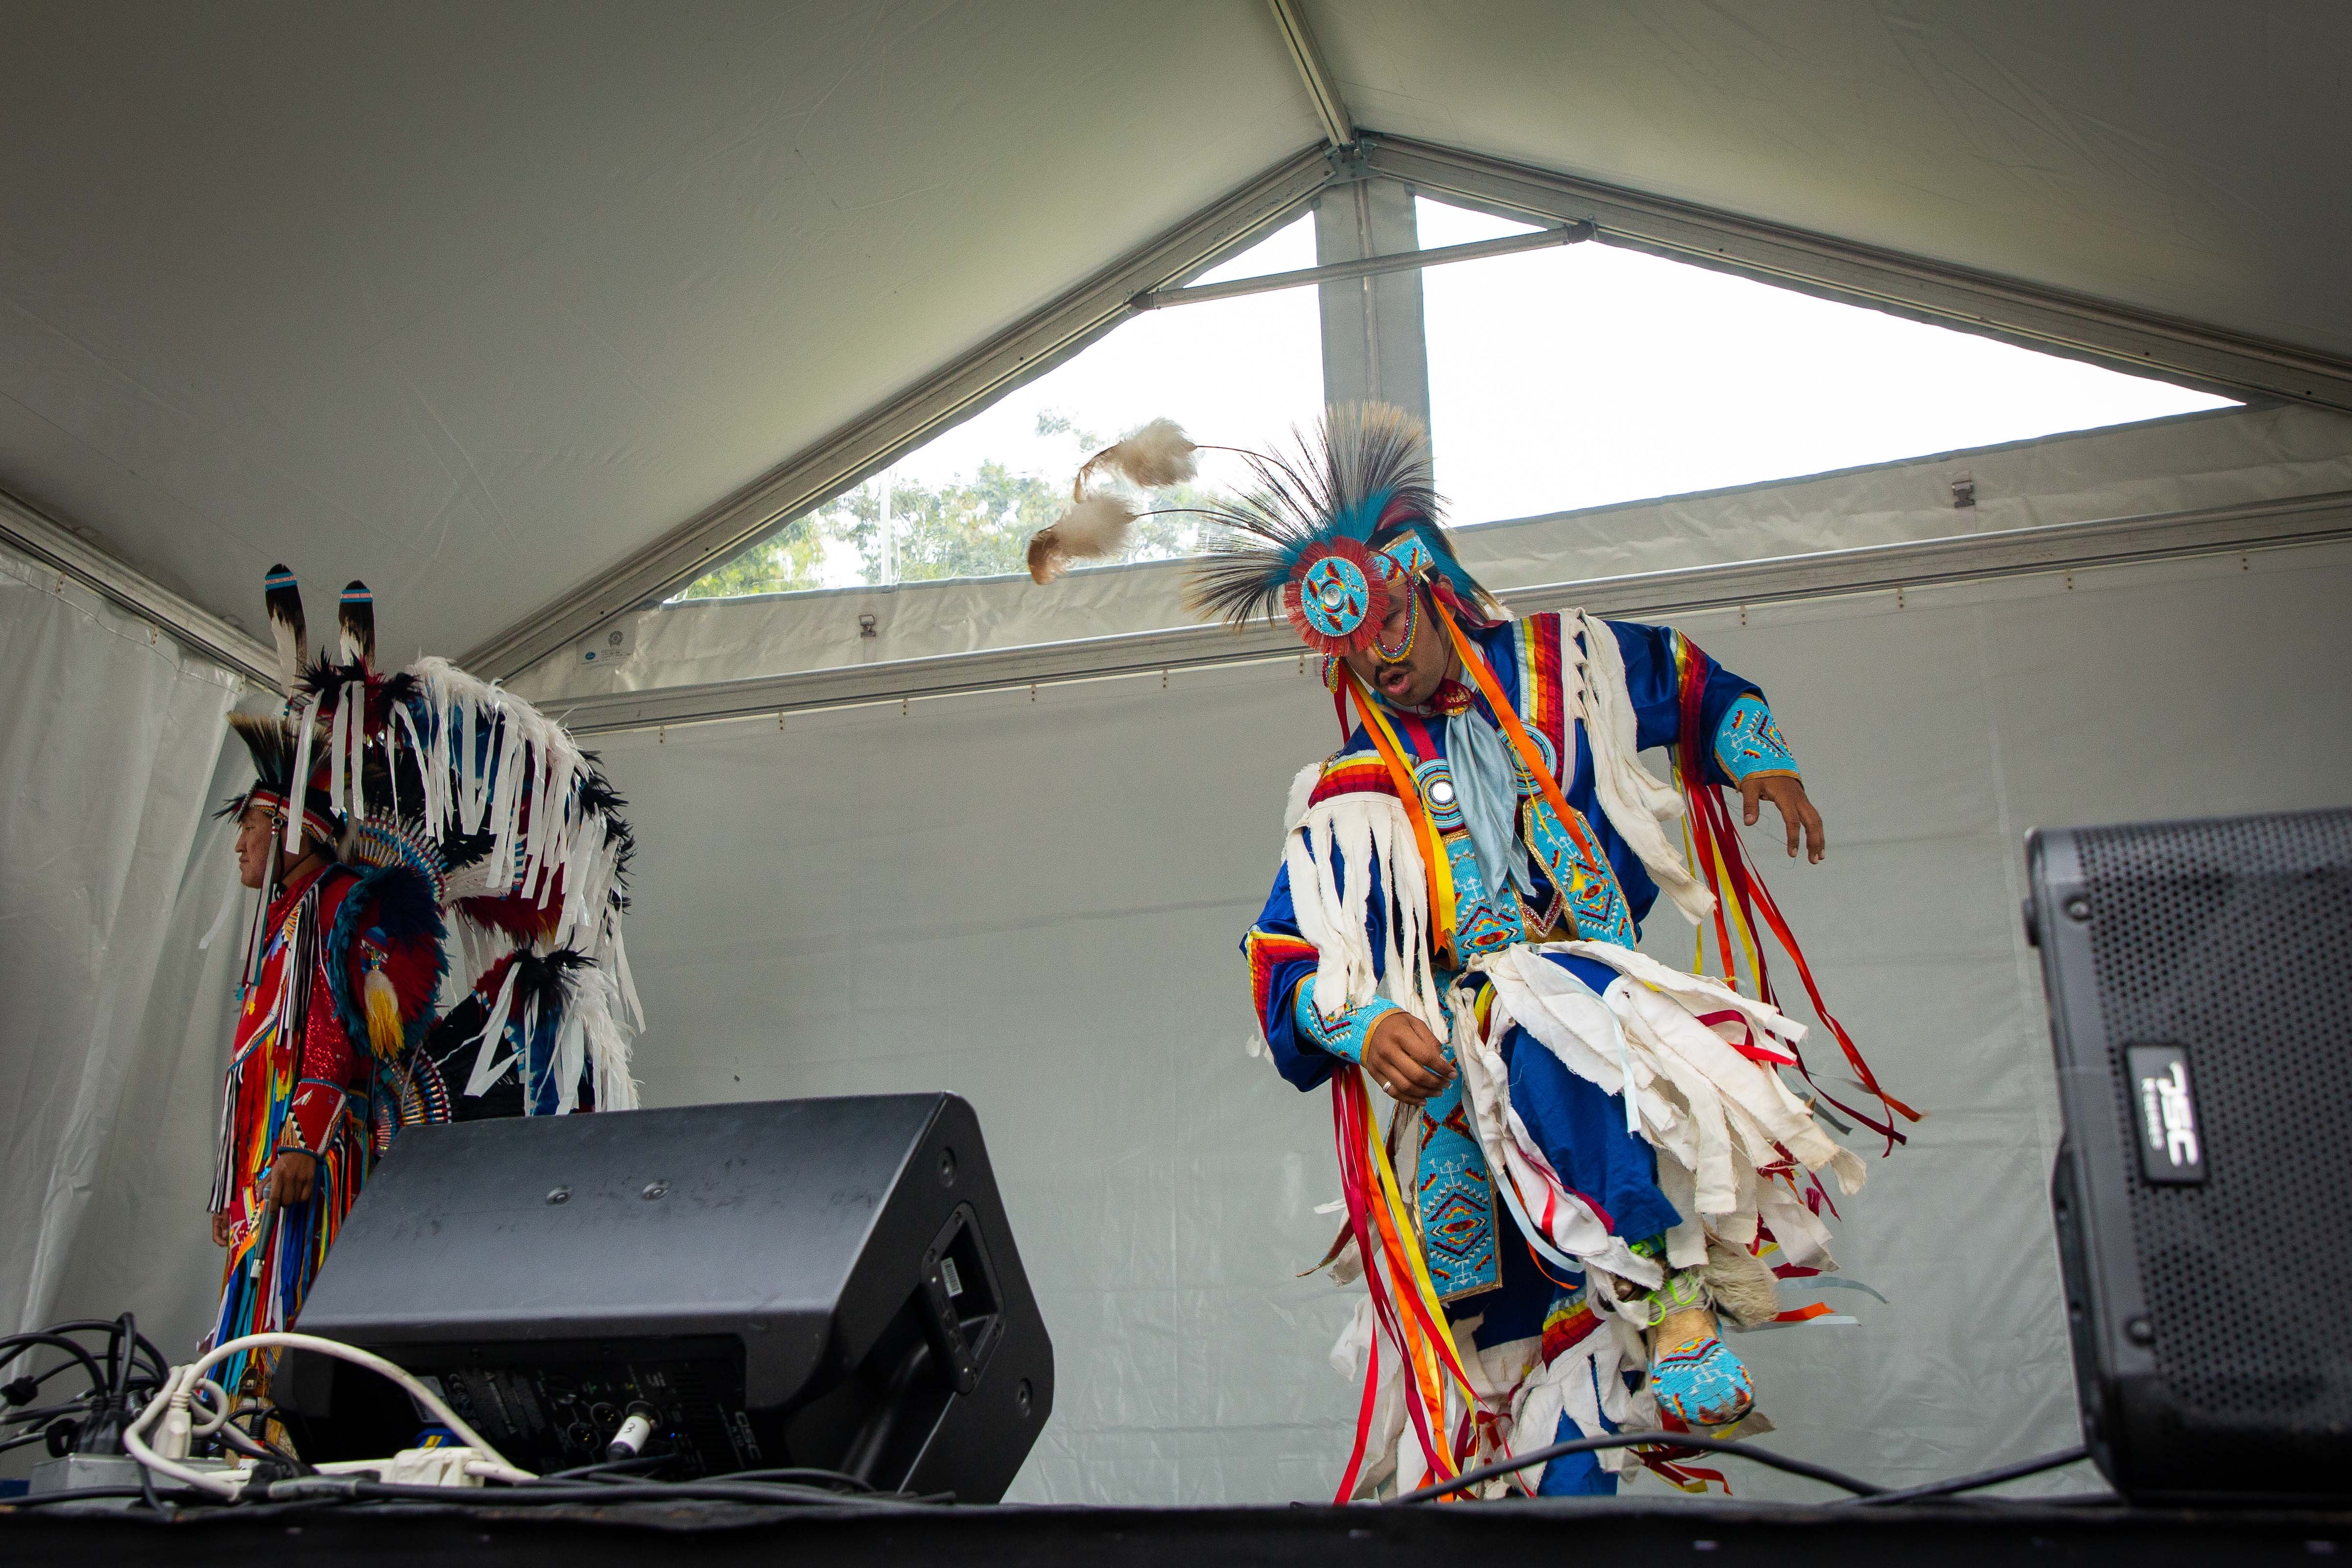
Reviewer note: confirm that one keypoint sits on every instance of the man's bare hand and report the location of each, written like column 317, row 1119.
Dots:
column 1796, row 813
column 220, row 1225
column 291, row 1176
column 1404, row 1058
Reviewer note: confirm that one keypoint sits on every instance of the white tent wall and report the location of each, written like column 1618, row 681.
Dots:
column 2163, row 466
column 111, row 755
column 144, row 1243
column 1035, row 902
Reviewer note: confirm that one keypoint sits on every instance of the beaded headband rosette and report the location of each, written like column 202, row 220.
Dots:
column 474, row 820
column 1336, row 531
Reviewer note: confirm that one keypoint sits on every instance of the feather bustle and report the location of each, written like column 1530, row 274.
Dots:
column 472, row 796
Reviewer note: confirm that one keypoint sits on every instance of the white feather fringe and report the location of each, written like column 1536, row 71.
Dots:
column 523, row 787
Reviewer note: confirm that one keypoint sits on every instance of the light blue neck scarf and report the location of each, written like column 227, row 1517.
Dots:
column 1487, row 784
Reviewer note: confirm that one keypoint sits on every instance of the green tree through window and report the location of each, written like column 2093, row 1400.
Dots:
column 976, row 527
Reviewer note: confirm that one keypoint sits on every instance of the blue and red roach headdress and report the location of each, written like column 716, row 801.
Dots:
column 1336, row 528
column 1334, row 531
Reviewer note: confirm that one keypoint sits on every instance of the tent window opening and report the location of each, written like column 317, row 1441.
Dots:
column 1589, row 375
column 1561, row 378
column 1239, row 371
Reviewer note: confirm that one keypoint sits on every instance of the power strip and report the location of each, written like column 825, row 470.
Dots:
column 440, row 1467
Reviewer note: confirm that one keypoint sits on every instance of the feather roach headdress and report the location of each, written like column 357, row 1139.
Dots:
column 474, row 819
column 1334, row 528
column 273, row 742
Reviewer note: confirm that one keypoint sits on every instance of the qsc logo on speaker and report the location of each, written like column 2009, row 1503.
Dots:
column 2171, row 1140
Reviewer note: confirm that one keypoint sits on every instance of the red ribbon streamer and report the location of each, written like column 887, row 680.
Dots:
column 1724, row 861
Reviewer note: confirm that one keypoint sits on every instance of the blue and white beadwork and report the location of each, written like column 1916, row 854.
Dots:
column 1434, row 782
column 1749, row 742
column 1456, row 1201
column 1334, row 596
column 1482, row 923
column 1591, row 892
column 1703, row 1385
column 1345, row 1035
column 1408, row 556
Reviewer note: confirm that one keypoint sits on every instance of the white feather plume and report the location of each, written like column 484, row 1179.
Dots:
column 1158, row 454
column 1092, row 529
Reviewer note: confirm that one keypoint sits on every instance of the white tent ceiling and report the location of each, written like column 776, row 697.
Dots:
column 2179, row 156
column 474, row 300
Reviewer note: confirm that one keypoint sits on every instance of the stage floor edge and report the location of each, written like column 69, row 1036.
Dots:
column 715, row 1535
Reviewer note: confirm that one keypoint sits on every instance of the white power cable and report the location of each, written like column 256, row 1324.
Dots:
column 178, row 1390
column 221, row 1407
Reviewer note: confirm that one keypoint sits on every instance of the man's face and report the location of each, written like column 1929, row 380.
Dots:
column 255, row 831
column 1415, row 681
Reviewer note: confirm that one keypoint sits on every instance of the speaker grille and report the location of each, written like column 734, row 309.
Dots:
column 2234, row 940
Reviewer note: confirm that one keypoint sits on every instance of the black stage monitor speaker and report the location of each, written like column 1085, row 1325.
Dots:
column 827, row 1283
column 2203, row 1189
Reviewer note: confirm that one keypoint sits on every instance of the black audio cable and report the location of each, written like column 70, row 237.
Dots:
column 1864, row 1493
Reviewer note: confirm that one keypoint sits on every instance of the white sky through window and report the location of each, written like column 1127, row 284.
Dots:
column 1587, row 375
column 1237, row 372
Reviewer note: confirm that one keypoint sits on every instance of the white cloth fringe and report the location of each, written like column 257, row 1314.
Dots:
column 1634, row 800
column 1586, row 1383
column 1547, row 1210
column 1715, row 1114
column 1343, row 839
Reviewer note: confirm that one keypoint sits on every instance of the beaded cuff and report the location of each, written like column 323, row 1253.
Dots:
column 1344, row 1035
column 1748, row 743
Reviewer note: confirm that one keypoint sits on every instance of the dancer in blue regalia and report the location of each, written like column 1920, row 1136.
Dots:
column 1594, row 1164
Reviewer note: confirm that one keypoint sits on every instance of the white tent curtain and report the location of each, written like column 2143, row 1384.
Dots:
column 1036, row 903
column 113, row 1030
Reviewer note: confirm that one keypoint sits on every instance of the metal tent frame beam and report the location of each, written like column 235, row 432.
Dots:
column 1322, row 87
column 1370, row 266
column 1885, row 279
column 28, row 531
